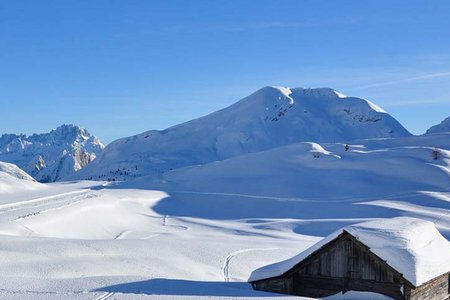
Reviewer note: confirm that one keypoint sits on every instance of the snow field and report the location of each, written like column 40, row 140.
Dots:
column 201, row 230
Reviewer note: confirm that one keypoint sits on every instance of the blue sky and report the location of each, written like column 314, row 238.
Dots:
column 119, row 68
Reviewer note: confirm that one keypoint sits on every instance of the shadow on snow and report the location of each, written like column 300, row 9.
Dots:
column 178, row 287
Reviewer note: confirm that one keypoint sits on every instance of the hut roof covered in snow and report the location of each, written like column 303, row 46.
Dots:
column 413, row 247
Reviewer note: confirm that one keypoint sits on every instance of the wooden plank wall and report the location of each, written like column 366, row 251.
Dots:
column 437, row 289
column 344, row 265
column 348, row 259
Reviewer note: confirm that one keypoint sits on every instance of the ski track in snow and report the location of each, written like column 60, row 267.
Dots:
column 28, row 292
column 67, row 202
column 229, row 258
column 105, row 296
column 294, row 199
column 42, row 200
column 165, row 223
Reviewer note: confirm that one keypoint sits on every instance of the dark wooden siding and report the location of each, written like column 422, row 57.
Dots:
column 342, row 265
column 346, row 264
column 437, row 289
column 316, row 286
column 347, row 259
column 282, row 285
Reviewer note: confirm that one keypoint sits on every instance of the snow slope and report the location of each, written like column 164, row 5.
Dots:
column 411, row 246
column 312, row 180
column 106, row 214
column 50, row 156
column 444, row 126
column 13, row 179
column 87, row 240
column 200, row 231
column 14, row 171
column 271, row 117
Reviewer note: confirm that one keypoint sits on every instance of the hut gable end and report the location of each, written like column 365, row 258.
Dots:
column 341, row 265
column 346, row 257
column 369, row 257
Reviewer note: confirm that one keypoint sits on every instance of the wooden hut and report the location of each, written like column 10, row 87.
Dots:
column 403, row 258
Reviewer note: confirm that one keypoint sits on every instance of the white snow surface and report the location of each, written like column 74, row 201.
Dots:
column 269, row 118
column 15, row 171
column 352, row 295
column 13, row 179
column 199, row 230
column 51, row 156
column 412, row 246
column 444, row 126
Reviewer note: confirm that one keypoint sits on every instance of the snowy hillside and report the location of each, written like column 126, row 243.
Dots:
column 444, row 126
column 248, row 186
column 50, row 156
column 13, row 180
column 271, row 117
column 14, row 171
column 200, row 231
column 312, row 180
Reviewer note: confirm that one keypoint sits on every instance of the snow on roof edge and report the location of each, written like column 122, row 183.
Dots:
column 413, row 247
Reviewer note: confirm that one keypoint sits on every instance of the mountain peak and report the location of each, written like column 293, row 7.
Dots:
column 68, row 128
column 283, row 89
column 271, row 117
column 323, row 95
column 74, row 132
column 315, row 92
column 319, row 92
column 53, row 155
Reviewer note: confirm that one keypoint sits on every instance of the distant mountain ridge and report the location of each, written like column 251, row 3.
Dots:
column 51, row 156
column 269, row 118
column 444, row 126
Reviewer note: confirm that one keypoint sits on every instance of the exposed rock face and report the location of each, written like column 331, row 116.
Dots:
column 51, row 156
column 40, row 163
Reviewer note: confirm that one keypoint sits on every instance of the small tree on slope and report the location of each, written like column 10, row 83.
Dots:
column 436, row 153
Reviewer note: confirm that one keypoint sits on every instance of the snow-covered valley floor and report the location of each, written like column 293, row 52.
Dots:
column 200, row 231
column 85, row 240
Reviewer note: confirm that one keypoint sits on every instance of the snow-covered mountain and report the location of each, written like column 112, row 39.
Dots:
column 210, row 226
column 444, row 126
column 14, row 171
column 14, row 179
column 51, row 156
column 270, row 117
